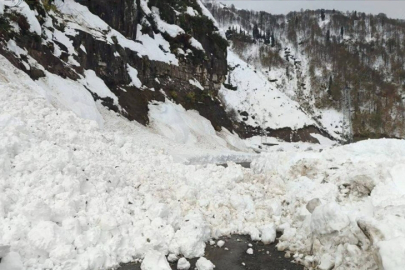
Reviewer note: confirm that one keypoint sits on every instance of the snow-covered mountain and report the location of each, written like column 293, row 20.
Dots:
column 136, row 56
column 313, row 56
column 84, row 187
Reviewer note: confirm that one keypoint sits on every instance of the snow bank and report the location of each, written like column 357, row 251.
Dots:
column 344, row 207
column 75, row 196
column 188, row 127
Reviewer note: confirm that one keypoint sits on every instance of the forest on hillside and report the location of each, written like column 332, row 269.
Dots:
column 327, row 51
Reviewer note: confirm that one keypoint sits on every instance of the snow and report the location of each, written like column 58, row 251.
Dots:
column 12, row 261
column 187, row 127
column 24, row 9
column 341, row 199
column 249, row 251
column 78, row 195
column 268, row 235
column 192, row 12
column 323, row 140
column 79, row 17
column 72, row 95
column 196, row 44
column 204, row 264
column 97, row 86
column 220, row 243
column 133, row 74
column 12, row 46
column 267, row 107
column 196, row 84
column 392, row 253
column 183, row 264
column 155, row 260
column 332, row 121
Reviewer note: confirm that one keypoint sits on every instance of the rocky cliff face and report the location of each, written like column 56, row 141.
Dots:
column 142, row 50
column 206, row 65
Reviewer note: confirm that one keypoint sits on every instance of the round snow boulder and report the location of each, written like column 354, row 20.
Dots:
column 183, row 264
column 204, row 264
column 268, row 233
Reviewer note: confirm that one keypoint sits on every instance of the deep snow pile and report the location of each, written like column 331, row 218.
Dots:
column 74, row 196
column 266, row 106
column 356, row 194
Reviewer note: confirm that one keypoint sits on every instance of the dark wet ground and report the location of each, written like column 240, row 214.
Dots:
column 243, row 164
column 233, row 256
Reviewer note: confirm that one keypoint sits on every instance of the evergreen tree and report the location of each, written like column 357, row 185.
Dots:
column 342, row 31
column 323, row 14
column 256, row 33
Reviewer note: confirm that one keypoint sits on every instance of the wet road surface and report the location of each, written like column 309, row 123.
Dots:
column 233, row 256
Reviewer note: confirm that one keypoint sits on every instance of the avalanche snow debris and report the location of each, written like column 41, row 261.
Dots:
column 204, row 264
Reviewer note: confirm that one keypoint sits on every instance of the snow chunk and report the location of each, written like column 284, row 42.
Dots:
column 204, row 264
column 249, row 251
column 220, row 243
column 192, row 236
column 133, row 74
column 183, row 264
column 268, row 233
column 392, row 253
column 155, row 260
column 12, row 261
column 328, row 218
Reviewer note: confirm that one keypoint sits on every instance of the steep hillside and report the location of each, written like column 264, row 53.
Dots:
column 312, row 56
column 127, row 58
column 135, row 49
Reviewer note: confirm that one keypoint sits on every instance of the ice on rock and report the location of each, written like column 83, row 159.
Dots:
column 183, row 264
column 268, row 233
column 204, row 264
column 155, row 260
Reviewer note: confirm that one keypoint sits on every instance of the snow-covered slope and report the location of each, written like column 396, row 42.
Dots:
column 77, row 196
column 264, row 104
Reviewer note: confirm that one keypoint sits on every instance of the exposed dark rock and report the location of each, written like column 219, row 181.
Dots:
column 160, row 80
